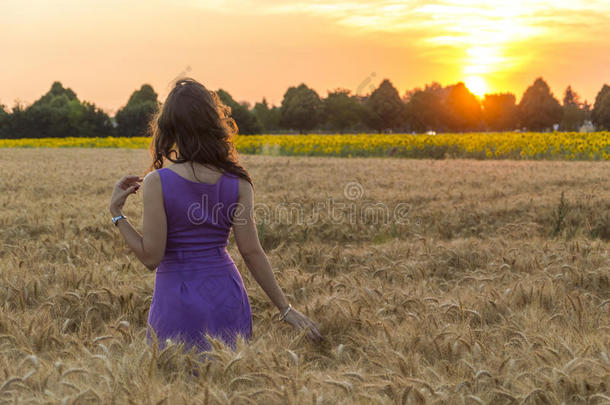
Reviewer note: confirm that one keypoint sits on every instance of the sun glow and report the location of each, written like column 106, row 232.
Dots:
column 482, row 59
column 476, row 85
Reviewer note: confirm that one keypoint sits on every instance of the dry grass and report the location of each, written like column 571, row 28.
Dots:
column 493, row 292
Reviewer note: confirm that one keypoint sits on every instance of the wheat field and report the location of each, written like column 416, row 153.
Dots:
column 494, row 288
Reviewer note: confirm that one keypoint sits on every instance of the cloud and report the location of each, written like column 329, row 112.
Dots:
column 441, row 18
column 483, row 37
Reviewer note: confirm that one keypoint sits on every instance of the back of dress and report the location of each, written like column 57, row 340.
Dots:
column 198, row 214
column 198, row 288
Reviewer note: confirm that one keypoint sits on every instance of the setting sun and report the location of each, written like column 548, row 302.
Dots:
column 498, row 45
column 476, row 85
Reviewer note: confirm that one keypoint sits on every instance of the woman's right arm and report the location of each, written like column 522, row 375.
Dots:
column 248, row 244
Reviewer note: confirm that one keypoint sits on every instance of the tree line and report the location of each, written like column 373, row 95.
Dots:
column 452, row 108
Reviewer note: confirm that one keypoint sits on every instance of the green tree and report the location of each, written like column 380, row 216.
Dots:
column 573, row 114
column 58, row 113
column 94, row 121
column 134, row 117
column 450, row 108
column 247, row 122
column 300, row 108
column 16, row 122
column 500, row 112
column 268, row 117
column 384, row 108
column 463, row 110
column 600, row 115
column 538, row 108
column 55, row 114
column 425, row 108
column 56, row 90
column 4, row 122
column 340, row 110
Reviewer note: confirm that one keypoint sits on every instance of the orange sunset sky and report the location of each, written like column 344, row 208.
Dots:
column 104, row 50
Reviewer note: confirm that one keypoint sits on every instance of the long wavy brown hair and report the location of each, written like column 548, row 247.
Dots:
column 194, row 125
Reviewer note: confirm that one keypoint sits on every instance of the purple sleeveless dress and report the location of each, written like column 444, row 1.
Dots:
column 198, row 289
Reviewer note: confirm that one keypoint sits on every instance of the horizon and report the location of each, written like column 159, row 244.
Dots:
column 493, row 47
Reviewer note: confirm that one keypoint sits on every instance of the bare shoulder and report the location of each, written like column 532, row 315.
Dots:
column 245, row 190
column 152, row 180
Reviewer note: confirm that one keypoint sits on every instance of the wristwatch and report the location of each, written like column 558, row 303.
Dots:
column 116, row 219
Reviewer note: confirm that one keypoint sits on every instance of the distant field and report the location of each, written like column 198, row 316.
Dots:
column 494, row 286
column 502, row 145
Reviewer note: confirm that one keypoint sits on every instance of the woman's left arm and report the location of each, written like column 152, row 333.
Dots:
column 150, row 246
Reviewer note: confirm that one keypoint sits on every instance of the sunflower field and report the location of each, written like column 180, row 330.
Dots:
column 498, row 145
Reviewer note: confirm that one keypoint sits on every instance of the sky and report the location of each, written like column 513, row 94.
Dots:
column 105, row 50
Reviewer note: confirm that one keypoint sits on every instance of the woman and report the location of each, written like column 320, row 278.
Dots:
column 189, row 208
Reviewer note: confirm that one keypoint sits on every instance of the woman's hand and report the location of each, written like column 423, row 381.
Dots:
column 127, row 185
column 301, row 321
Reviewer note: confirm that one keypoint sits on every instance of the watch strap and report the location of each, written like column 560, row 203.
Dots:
column 116, row 219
